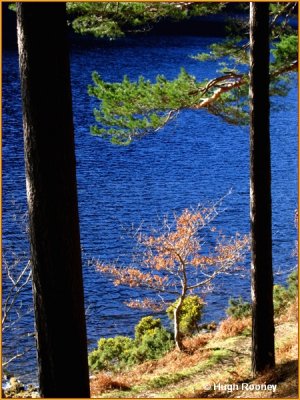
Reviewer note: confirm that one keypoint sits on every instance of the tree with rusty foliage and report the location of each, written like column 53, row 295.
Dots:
column 176, row 261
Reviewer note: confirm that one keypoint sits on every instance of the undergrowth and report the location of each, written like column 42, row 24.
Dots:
column 222, row 356
column 151, row 341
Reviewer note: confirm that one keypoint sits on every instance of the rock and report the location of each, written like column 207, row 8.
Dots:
column 16, row 389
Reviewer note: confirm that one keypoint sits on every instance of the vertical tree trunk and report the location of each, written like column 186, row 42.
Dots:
column 177, row 333
column 52, row 200
column 260, row 191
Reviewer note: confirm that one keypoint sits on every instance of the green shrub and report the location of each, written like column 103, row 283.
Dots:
column 238, row 308
column 145, row 326
column 280, row 299
column 293, row 284
column 112, row 353
column 282, row 296
column 151, row 341
column 154, row 344
column 190, row 315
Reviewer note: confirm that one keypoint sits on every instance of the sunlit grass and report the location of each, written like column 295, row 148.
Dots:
column 209, row 358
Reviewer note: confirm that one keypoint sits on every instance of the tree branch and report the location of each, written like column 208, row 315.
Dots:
column 231, row 81
column 15, row 357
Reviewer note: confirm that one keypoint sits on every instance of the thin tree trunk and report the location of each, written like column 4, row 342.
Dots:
column 52, row 200
column 177, row 333
column 260, row 191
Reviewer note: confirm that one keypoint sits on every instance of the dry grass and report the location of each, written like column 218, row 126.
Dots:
column 285, row 351
column 103, row 382
column 233, row 327
column 284, row 376
column 224, row 357
column 175, row 361
column 172, row 363
column 288, row 378
column 287, row 342
column 194, row 343
column 290, row 314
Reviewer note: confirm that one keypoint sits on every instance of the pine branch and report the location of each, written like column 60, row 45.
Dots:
column 228, row 83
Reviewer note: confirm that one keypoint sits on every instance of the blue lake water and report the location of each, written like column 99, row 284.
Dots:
column 195, row 159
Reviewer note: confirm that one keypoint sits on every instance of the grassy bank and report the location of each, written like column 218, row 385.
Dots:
column 213, row 365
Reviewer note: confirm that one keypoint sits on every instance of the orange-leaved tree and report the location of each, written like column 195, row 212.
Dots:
column 176, row 261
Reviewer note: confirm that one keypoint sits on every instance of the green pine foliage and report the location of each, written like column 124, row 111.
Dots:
column 129, row 110
column 113, row 20
column 190, row 314
column 285, row 50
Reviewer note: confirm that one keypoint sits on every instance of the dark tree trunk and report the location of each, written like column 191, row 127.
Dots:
column 260, row 191
column 52, row 200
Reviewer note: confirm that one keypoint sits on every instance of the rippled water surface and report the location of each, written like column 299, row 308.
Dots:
column 197, row 158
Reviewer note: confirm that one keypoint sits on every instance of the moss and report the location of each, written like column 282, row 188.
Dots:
column 165, row 380
column 218, row 355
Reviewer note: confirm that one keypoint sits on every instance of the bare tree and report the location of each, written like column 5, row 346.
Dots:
column 17, row 275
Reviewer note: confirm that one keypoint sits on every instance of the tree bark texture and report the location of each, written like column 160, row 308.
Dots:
column 260, row 191
column 52, row 200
